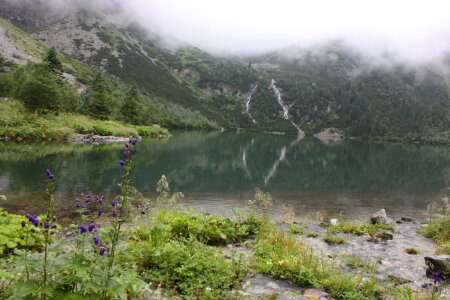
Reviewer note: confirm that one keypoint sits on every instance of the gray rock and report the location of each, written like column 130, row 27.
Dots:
column 291, row 296
column 438, row 263
column 2, row 198
column 316, row 294
column 380, row 217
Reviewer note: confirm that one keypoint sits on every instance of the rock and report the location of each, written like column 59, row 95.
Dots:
column 398, row 280
column 438, row 263
column 156, row 126
column 2, row 198
column 316, row 294
column 19, row 139
column 291, row 296
column 380, row 217
column 407, row 219
column 384, row 236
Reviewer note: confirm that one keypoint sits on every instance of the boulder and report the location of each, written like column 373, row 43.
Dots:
column 438, row 263
column 2, row 198
column 380, row 217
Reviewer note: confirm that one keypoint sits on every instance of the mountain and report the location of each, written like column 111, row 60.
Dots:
column 330, row 85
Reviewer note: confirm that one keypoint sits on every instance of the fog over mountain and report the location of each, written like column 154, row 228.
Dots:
column 407, row 30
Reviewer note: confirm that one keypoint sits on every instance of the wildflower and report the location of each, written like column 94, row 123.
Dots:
column 126, row 145
column 100, row 211
column 88, row 199
column 46, row 225
column 87, row 212
column 96, row 241
column 34, row 220
column 24, row 223
column 91, row 227
column 133, row 141
column 49, row 175
column 32, row 230
column 121, row 162
column 143, row 212
column 54, row 226
column 83, row 229
column 113, row 203
column 102, row 251
column 115, row 213
column 119, row 207
column 126, row 154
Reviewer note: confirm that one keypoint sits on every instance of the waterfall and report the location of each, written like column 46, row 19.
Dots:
column 284, row 106
column 247, row 103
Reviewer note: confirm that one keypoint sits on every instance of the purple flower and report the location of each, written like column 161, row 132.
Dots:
column 53, row 226
column 115, row 213
column 102, row 251
column 113, row 203
column 121, row 163
column 126, row 145
column 87, row 212
column 32, row 230
column 142, row 212
column 49, row 175
column 100, row 211
column 88, row 199
column 83, row 205
column 119, row 207
column 99, row 200
column 83, row 229
column 126, row 154
column 437, row 276
column 133, row 141
column 46, row 225
column 35, row 221
column 91, row 227
column 78, row 205
column 96, row 241
column 24, row 223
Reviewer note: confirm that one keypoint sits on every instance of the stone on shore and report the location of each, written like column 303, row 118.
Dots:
column 438, row 263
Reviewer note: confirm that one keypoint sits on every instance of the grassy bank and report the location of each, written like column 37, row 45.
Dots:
column 17, row 122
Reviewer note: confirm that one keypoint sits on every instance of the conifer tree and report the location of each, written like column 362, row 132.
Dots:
column 131, row 107
column 100, row 106
column 53, row 61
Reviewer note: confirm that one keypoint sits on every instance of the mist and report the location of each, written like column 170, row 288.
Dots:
column 407, row 30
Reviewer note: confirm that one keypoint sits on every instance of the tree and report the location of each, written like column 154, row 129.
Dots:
column 131, row 107
column 99, row 106
column 38, row 88
column 53, row 61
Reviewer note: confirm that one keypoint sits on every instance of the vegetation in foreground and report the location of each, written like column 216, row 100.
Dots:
column 16, row 122
column 120, row 251
column 438, row 230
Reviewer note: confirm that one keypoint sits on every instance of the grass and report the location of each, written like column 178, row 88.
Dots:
column 358, row 229
column 280, row 255
column 17, row 122
column 312, row 234
column 296, row 229
column 439, row 231
column 412, row 251
column 334, row 239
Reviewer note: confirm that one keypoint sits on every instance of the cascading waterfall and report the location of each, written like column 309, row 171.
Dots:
column 284, row 106
column 247, row 103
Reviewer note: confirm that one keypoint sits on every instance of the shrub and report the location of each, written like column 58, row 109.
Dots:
column 190, row 269
column 211, row 230
column 80, row 129
column 99, row 130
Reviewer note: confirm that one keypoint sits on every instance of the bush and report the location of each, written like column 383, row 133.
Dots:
column 99, row 130
column 208, row 229
column 190, row 269
column 13, row 235
column 80, row 129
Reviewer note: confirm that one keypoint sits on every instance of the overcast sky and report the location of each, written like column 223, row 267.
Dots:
column 413, row 29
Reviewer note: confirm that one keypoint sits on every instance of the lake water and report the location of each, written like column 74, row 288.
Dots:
column 217, row 171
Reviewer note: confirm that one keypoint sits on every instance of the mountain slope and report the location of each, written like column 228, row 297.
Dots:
column 331, row 85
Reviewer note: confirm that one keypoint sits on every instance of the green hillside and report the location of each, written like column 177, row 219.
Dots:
column 326, row 86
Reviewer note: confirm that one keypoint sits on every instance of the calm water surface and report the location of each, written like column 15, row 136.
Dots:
column 217, row 171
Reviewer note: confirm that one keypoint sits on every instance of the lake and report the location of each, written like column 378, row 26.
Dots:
column 220, row 170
